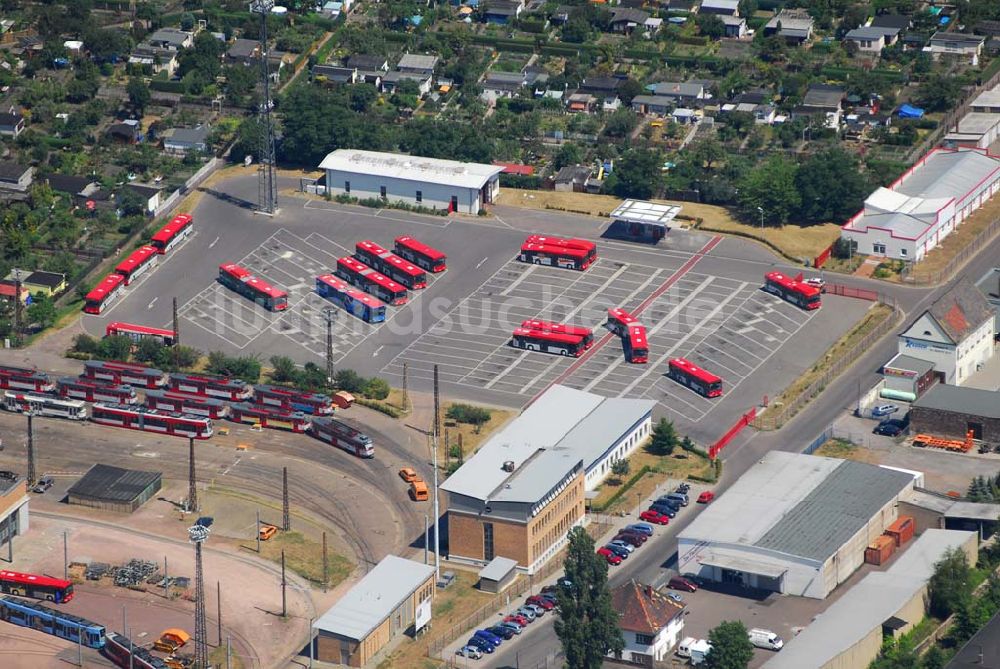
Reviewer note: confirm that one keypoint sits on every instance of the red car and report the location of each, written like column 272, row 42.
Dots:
column 651, row 516
column 706, row 497
column 609, row 556
column 542, row 602
column 681, row 583
column 520, row 620
column 633, row 538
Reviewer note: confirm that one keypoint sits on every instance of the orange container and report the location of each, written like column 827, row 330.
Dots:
column 880, row 550
column 902, row 530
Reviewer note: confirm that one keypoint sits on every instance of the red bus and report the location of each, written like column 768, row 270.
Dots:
column 619, row 321
column 796, row 291
column 34, row 586
column 233, row 390
column 95, row 391
column 290, row 399
column 239, row 279
column 370, row 281
column 547, row 342
column 420, row 254
column 104, row 293
column 390, row 264
column 140, row 260
column 128, row 655
column 636, row 346
column 586, row 334
column 187, row 404
column 366, row 307
column 270, row 417
column 139, row 332
column 342, row 435
column 138, row 376
column 695, row 378
column 565, row 253
column 18, row 378
column 152, row 420
column 173, row 233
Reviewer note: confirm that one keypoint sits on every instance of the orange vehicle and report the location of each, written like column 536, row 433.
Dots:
column 267, row 531
column 171, row 640
column 408, row 475
column 418, row 491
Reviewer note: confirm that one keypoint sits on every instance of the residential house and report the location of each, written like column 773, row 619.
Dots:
column 684, row 116
column 869, row 40
column 794, row 25
column 390, row 82
column 625, row 20
column 822, row 99
column 150, row 195
column 11, row 123
column 78, row 188
column 652, row 26
column 892, row 21
column 243, row 51
column 49, row 283
column 690, row 93
column 601, row 86
column 503, row 84
column 956, row 44
column 157, row 59
column 659, row 105
column 126, row 132
column 988, row 102
column 179, row 141
column 581, row 102
column 611, row 104
column 502, row 12
column 720, row 7
column 736, row 26
column 416, row 63
column 651, row 622
column 15, row 177
column 334, row 74
column 762, row 114
column 572, row 178
column 170, row 38
column 365, row 62
column 9, row 288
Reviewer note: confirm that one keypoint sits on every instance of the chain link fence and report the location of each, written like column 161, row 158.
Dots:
column 971, row 249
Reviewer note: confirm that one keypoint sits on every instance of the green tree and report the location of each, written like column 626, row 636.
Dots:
column 939, row 93
column 621, row 467
column 114, row 348
column 84, row 343
column 184, row 357
column 283, row 369
column 710, row 26
column 376, row 388
column 349, row 380
column 149, row 350
column 731, row 647
column 637, row 174
column 831, row 187
column 587, row 624
column 138, row 94
column 621, row 123
column 466, row 413
column 934, row 658
column 628, row 90
column 664, row 438
column 568, row 154
column 42, row 311
column 949, row 585
column 771, row 187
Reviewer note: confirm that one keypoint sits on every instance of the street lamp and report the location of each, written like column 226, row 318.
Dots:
column 761, row 210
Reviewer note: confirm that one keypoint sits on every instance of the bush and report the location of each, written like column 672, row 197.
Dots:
column 114, row 348
column 349, row 380
column 377, row 389
column 242, row 367
column 84, row 343
column 466, row 413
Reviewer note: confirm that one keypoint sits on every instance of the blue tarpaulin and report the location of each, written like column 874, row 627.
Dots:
column 908, row 111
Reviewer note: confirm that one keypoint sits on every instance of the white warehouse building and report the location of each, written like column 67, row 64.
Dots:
column 424, row 182
column 913, row 215
column 795, row 524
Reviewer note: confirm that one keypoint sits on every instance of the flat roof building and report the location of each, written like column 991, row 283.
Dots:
column 850, row 632
column 114, row 489
column 953, row 411
column 426, row 182
column 393, row 598
column 520, row 494
column 795, row 524
column 13, row 506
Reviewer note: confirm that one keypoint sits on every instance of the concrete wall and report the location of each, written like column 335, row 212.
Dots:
column 432, row 196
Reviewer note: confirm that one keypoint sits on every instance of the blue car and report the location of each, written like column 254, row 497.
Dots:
column 481, row 644
column 488, row 636
column 665, row 509
column 641, row 528
column 618, row 550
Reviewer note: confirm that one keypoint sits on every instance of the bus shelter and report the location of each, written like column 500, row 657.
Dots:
column 638, row 220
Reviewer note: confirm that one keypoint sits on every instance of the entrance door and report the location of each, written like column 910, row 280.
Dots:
column 732, row 576
column 453, row 206
column 976, row 429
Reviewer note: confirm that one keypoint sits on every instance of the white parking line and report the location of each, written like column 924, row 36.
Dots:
column 328, row 241
column 482, row 262
column 152, row 302
column 493, row 382
column 518, row 280
column 214, row 242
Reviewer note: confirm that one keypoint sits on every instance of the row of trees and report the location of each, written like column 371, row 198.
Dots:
column 312, row 377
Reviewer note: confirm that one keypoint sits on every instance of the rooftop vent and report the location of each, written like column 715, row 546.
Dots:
column 508, row 465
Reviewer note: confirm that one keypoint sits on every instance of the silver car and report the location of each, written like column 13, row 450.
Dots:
column 538, row 610
column 470, row 651
column 528, row 612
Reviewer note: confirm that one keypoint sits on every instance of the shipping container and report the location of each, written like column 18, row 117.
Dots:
column 902, row 530
column 880, row 550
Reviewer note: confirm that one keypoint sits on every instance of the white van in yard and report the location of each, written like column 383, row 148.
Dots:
column 695, row 650
column 765, row 639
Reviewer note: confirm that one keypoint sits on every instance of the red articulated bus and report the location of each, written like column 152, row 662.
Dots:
column 34, row 586
column 18, row 378
column 694, row 377
column 394, row 267
column 173, row 233
column 129, row 655
column 290, row 399
column 152, row 420
column 90, row 390
column 140, row 260
column 632, row 332
column 547, row 342
column 420, row 254
column 208, row 407
column 796, row 291
column 576, row 254
column 233, row 390
column 294, row 421
column 586, row 334
column 104, row 293
column 240, row 280
column 125, row 373
column 371, row 281
column 139, row 332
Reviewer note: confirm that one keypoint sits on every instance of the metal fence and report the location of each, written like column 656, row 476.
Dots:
column 971, row 249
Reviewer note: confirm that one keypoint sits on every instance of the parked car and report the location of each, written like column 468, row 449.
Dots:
column 489, row 636
column 682, row 583
column 561, row 583
column 654, row 517
column 501, row 631
column 619, row 550
column 481, row 644
column 642, row 528
column 884, row 410
column 678, row 498
column 676, row 597
column 664, row 509
column 527, row 613
column 612, row 558
column 43, row 484
column 470, row 651
column 512, row 626
column 890, row 428
column 816, row 282
column 684, row 488
column 543, row 602
column 706, row 497
column 539, row 610
column 631, row 538
column 516, row 619
column 408, row 475
column 551, row 596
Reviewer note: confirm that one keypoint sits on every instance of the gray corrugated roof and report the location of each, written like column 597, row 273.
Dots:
column 961, row 310
column 864, row 608
column 377, row 595
column 613, row 418
column 497, row 569
column 974, row 510
column 949, row 174
column 910, row 363
column 836, row 509
column 865, row 32
column 113, row 484
column 973, row 401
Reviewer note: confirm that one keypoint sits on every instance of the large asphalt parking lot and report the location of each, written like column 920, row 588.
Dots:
column 699, row 297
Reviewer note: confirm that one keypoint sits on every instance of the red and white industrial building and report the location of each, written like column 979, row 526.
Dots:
column 922, row 207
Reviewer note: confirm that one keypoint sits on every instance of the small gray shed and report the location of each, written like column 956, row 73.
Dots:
column 497, row 575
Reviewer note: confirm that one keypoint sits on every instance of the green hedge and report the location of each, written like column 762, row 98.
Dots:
column 381, row 407
column 621, row 491
column 167, row 86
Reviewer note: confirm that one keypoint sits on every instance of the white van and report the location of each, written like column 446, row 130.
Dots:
column 695, row 650
column 765, row 639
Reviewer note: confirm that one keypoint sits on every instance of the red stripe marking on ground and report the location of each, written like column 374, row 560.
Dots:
column 664, row 287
